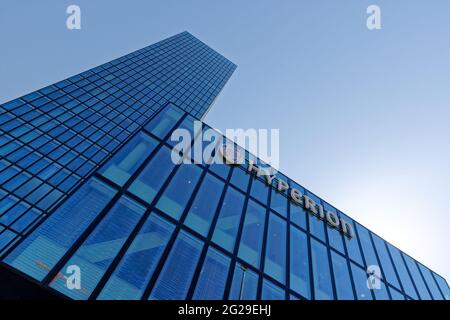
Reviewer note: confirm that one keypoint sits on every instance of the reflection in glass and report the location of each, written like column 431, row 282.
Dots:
column 128, row 159
column 270, row 291
column 252, row 234
column 205, row 204
column 244, row 285
column 213, row 276
column 229, row 218
column 275, row 262
column 175, row 277
column 150, row 180
column 299, row 266
column 342, row 281
column 321, row 271
column 39, row 253
column 142, row 257
column 174, row 199
column 97, row 252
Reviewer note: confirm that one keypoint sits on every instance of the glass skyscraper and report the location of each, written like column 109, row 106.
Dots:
column 88, row 180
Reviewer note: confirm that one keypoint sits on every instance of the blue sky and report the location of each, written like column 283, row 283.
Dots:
column 363, row 115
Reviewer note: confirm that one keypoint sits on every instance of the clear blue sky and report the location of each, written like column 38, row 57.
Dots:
column 364, row 115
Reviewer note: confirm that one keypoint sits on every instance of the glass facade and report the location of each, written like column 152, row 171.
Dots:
column 52, row 139
column 139, row 225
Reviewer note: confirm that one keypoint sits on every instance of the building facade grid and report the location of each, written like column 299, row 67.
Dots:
column 211, row 267
column 53, row 138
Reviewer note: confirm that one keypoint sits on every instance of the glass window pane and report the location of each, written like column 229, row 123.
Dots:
column 175, row 277
column 220, row 169
column 408, row 286
column 252, row 234
column 101, row 247
column 367, row 247
column 260, row 191
column 270, row 291
column 174, row 199
column 334, row 236
column 385, row 260
column 244, row 285
column 275, row 262
column 149, row 182
column 396, row 295
column 299, row 265
column 161, row 125
column 298, row 215
column 213, row 277
column 240, row 178
column 341, row 277
column 229, row 218
column 443, row 286
column 128, row 159
column 417, row 278
column 205, row 204
column 188, row 124
column 352, row 244
column 142, row 257
column 316, row 226
column 381, row 292
column 321, row 271
column 430, row 282
column 42, row 250
column 279, row 203
column 360, row 280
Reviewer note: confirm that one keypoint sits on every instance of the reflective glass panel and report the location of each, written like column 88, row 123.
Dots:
column 229, row 218
column 252, row 234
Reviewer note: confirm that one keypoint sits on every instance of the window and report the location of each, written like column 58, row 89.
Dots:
column 316, row 226
column 279, row 203
column 5, row 238
column 443, row 286
column 188, row 124
column 174, row 199
column 229, row 218
column 430, row 282
column 128, row 159
column 244, row 285
column 342, row 280
column 366, row 245
column 334, row 236
column 101, row 247
column 149, row 182
column 220, row 169
column 174, row 280
column 299, row 265
column 275, row 262
column 163, row 123
column 396, row 295
column 142, row 257
column 385, row 261
column 408, row 286
column 213, row 276
column 252, row 234
column 360, row 280
column 381, row 293
column 298, row 215
column 321, row 271
column 240, row 179
column 42, row 250
column 417, row 277
column 205, row 204
column 352, row 244
column 260, row 191
column 270, row 291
